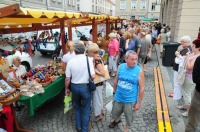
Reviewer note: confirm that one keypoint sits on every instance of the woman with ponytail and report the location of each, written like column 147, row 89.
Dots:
column 70, row 53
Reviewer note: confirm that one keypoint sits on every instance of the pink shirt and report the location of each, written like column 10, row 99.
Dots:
column 113, row 47
column 189, row 73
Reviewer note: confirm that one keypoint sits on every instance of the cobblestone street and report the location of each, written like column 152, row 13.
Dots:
column 50, row 117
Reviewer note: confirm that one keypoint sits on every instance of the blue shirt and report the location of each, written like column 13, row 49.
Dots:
column 131, row 45
column 128, row 83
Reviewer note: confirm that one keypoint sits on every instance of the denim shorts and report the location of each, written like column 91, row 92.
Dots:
column 127, row 109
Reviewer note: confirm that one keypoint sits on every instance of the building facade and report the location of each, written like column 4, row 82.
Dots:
column 183, row 16
column 60, row 5
column 137, row 9
column 97, row 6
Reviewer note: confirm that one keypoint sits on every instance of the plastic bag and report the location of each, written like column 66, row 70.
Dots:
column 109, row 90
column 67, row 103
column 109, row 106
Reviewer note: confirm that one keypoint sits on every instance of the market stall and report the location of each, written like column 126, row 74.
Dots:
column 37, row 100
column 20, row 19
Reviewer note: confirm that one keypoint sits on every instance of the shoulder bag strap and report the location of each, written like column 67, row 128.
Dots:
column 88, row 67
column 185, row 63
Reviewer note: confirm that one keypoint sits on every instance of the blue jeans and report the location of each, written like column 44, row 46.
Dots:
column 81, row 96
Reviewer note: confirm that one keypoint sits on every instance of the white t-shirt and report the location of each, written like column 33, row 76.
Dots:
column 148, row 37
column 19, row 70
column 90, row 37
column 68, row 56
column 77, row 69
column 169, row 35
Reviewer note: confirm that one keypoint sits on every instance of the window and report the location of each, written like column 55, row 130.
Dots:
column 96, row 9
column 92, row 8
column 133, row 4
column 69, row 2
column 143, row 5
column 122, row 4
column 59, row 1
column 79, row 34
column 153, row 7
column 78, row 7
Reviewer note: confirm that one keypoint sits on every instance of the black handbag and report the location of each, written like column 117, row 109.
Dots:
column 91, row 84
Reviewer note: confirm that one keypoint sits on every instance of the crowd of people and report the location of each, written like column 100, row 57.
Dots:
column 129, row 50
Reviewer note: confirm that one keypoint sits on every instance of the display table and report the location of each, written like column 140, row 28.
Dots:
column 37, row 100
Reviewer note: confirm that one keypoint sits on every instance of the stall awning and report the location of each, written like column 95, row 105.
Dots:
column 35, row 13
column 14, row 17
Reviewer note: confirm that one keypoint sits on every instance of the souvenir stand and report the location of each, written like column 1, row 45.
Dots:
column 8, row 95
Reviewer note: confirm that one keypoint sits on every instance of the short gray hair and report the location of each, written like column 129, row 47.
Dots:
column 14, row 57
column 162, row 30
column 186, row 38
column 79, row 48
column 131, row 30
column 130, row 52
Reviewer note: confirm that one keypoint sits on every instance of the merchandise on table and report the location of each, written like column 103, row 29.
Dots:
column 44, row 74
column 31, row 88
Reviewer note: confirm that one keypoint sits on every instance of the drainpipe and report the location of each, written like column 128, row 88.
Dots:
column 20, row 3
column 147, row 8
column 47, row 4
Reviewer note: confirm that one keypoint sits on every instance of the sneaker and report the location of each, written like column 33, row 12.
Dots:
column 185, row 114
column 78, row 129
column 180, row 107
column 171, row 94
column 113, row 124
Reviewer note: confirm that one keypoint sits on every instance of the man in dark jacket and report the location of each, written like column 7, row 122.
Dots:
column 194, row 112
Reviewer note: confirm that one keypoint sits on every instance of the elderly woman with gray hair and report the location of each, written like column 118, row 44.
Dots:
column 113, row 50
column 182, row 51
column 163, row 38
column 16, row 64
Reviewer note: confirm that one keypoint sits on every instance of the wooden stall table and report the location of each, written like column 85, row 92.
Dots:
column 37, row 100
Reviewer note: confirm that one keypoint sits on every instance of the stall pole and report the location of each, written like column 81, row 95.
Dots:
column 94, row 30
column 62, row 33
column 69, row 25
column 121, row 23
column 107, row 28
column 115, row 24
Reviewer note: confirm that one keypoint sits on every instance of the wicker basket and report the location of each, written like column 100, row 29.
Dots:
column 45, row 84
column 4, row 96
column 16, row 84
column 9, row 102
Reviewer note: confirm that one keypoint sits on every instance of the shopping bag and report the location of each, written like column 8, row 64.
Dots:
column 158, row 41
column 109, row 106
column 109, row 90
column 67, row 103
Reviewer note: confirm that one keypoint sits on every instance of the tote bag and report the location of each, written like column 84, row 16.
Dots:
column 181, row 73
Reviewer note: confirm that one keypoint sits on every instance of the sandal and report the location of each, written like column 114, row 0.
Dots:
column 113, row 124
column 98, row 118
column 113, row 75
column 171, row 94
